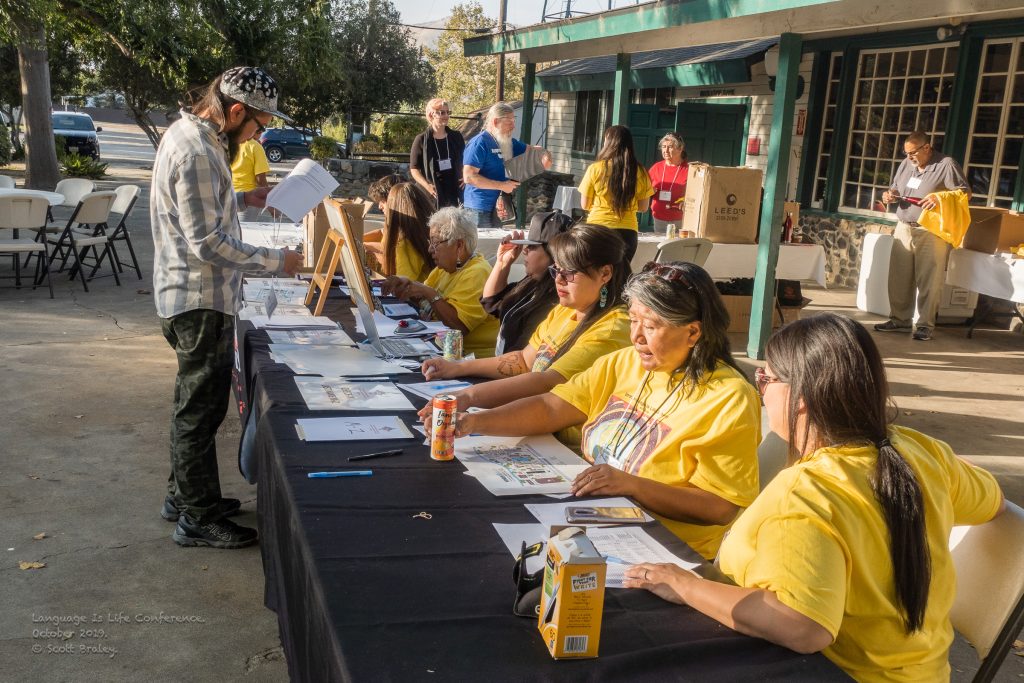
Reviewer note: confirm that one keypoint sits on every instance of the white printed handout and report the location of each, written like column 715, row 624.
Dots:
column 273, row 235
column 262, row 309
column 311, row 337
column 302, row 189
column 283, row 321
column 287, row 294
column 512, row 466
column 399, row 309
column 321, row 393
column 551, row 514
column 355, row 428
column 622, row 546
column 333, row 361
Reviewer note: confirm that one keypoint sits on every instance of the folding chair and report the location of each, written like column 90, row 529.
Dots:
column 25, row 212
column 126, row 198
column 988, row 609
column 92, row 213
column 73, row 190
column 693, row 250
column 7, row 182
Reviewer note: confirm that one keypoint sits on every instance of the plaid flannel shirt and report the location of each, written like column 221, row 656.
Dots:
column 199, row 255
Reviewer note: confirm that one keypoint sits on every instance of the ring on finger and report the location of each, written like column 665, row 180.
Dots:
column 645, row 574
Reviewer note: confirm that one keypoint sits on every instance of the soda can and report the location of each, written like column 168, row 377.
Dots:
column 442, row 427
column 451, row 345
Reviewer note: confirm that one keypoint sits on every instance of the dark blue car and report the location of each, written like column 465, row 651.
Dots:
column 289, row 143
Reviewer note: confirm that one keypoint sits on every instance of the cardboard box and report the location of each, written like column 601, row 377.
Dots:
column 316, row 226
column 723, row 203
column 572, row 598
column 739, row 312
column 993, row 230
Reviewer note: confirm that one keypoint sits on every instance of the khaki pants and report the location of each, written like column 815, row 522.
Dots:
column 917, row 263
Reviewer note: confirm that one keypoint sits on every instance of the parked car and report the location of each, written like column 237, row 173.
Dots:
column 285, row 143
column 79, row 133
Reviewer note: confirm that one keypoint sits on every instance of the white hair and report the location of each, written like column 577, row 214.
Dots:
column 452, row 223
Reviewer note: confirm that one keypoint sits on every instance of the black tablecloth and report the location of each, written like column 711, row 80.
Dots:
column 366, row 590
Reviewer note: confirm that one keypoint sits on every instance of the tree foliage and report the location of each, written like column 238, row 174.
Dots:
column 470, row 83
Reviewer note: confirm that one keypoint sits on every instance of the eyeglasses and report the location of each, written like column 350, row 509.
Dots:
column 441, row 112
column 434, row 244
column 567, row 275
column 762, row 379
column 914, row 153
column 251, row 116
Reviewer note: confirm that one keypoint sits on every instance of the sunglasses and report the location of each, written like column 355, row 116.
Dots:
column 567, row 275
column 251, row 116
column 762, row 379
column 528, row 585
column 669, row 273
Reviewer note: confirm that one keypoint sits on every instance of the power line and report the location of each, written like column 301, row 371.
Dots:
column 479, row 29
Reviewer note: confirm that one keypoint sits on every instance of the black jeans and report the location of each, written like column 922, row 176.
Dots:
column 631, row 239
column 203, row 341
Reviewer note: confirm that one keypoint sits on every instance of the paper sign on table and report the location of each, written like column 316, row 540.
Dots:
column 260, row 309
column 512, row 465
column 333, row 361
column 355, row 428
column 311, row 337
column 399, row 310
column 322, row 393
column 282, row 321
column 302, row 189
column 551, row 514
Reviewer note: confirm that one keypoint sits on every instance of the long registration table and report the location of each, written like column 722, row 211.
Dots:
column 368, row 588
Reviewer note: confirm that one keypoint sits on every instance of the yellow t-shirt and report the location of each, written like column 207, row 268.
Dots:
column 707, row 440
column 409, row 263
column 609, row 333
column 250, row 162
column 816, row 538
column 462, row 290
column 595, row 184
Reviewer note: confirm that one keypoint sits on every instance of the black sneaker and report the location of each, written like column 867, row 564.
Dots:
column 891, row 326
column 922, row 334
column 227, row 507
column 219, row 533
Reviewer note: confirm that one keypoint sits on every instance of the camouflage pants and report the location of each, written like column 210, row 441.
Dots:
column 203, row 342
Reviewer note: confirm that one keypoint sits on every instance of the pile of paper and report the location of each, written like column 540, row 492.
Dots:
column 322, row 393
column 316, row 337
column 332, row 361
column 293, row 322
column 355, row 428
column 273, row 234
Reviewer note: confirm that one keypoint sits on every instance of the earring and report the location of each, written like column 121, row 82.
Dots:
column 603, row 301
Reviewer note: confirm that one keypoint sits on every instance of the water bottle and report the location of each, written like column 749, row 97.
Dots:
column 671, row 231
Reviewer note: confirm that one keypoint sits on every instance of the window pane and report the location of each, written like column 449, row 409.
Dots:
column 819, row 190
column 979, row 178
column 896, row 91
column 913, row 93
column 878, row 92
column 917, row 59
column 867, row 66
column 997, row 57
column 952, row 57
column 992, row 89
column 830, row 118
column 867, row 172
column 1003, row 203
column 934, row 65
column 941, row 117
column 1011, row 152
column 937, row 141
column 883, row 65
column 860, row 118
column 884, row 176
column 930, row 91
column 826, row 141
column 986, row 120
column 1015, row 125
column 887, row 146
column 864, row 92
column 853, row 171
column 1007, row 180
column 1017, row 96
column 983, row 151
column 908, row 119
column 823, row 165
column 899, row 63
column 857, row 145
column 877, row 118
column 926, row 119
column 892, row 118
column 871, row 145
column 946, row 90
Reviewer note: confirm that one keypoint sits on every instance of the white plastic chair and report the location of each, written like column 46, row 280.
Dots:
column 988, row 609
column 7, row 182
column 25, row 212
column 126, row 198
column 92, row 211
column 693, row 250
column 73, row 190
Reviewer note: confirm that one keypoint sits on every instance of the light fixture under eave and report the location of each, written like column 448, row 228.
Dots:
column 771, row 61
column 954, row 30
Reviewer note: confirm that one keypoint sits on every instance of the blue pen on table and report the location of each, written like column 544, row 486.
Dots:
column 616, row 560
column 346, row 473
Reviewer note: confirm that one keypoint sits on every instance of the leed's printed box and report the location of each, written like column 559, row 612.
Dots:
column 572, row 600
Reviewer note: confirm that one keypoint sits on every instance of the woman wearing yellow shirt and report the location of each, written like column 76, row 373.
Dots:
column 588, row 322
column 404, row 249
column 671, row 423
column 845, row 551
column 451, row 292
column 616, row 187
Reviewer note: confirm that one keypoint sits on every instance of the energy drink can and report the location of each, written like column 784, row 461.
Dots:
column 451, row 345
column 442, row 427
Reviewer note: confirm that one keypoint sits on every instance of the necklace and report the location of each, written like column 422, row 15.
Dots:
column 642, row 429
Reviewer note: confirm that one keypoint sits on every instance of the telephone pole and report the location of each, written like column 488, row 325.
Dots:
column 502, row 6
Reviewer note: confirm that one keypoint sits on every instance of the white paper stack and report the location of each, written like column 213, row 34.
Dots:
column 322, row 393
column 514, row 465
column 332, row 361
column 355, row 428
column 321, row 337
column 293, row 322
column 258, row 309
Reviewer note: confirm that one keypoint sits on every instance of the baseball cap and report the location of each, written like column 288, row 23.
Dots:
column 544, row 227
column 253, row 87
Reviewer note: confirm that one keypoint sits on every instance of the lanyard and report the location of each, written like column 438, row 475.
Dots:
column 673, row 183
column 641, row 430
column 447, row 148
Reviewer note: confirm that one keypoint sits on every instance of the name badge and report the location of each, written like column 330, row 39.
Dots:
column 444, row 164
column 914, row 183
column 665, row 196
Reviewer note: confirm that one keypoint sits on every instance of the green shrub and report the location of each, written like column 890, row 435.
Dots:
column 5, row 145
column 78, row 166
column 322, row 148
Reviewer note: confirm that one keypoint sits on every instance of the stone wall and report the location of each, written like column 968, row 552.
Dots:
column 843, row 240
column 356, row 175
column 540, row 191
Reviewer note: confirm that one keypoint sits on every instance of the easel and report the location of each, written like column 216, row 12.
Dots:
column 326, row 265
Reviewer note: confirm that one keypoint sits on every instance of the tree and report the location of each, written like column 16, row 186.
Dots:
column 470, row 83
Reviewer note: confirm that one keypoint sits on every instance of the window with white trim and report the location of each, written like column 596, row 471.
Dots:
column 997, row 125
column 896, row 93
column 593, row 115
column 828, row 129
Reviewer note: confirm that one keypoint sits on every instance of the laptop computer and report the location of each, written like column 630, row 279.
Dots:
column 391, row 347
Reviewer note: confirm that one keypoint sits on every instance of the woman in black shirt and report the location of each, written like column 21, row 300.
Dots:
column 435, row 160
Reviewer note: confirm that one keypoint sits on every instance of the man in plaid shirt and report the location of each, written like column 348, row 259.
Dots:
column 199, row 258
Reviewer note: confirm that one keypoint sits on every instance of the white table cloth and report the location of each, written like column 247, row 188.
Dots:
column 1000, row 275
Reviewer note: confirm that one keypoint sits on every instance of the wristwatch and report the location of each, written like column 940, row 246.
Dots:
column 434, row 299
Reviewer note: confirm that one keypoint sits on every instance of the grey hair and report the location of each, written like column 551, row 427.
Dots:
column 453, row 223
column 918, row 137
column 497, row 111
column 659, row 296
column 674, row 137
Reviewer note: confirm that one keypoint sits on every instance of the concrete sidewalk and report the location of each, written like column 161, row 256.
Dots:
column 86, row 390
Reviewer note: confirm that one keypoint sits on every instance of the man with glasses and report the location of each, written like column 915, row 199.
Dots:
column 435, row 160
column 198, row 260
column 918, row 258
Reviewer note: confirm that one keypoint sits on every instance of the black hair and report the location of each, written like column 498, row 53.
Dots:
column 623, row 167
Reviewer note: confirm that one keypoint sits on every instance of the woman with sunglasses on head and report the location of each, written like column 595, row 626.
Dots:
column 404, row 248
column 616, row 187
column 589, row 321
column 435, row 160
column 451, row 292
column 846, row 550
column 671, row 422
